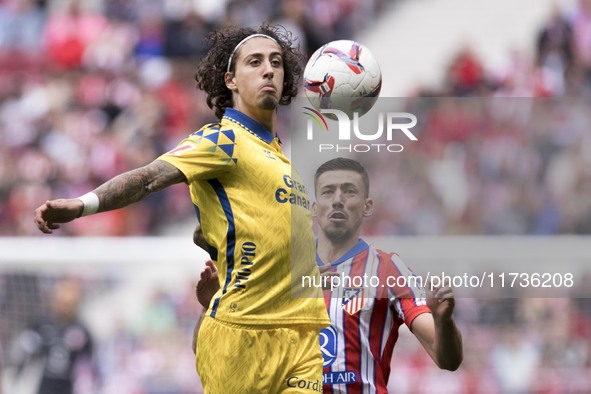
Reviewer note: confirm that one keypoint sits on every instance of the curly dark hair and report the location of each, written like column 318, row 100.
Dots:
column 211, row 70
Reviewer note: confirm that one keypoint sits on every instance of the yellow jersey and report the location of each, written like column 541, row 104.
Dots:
column 255, row 215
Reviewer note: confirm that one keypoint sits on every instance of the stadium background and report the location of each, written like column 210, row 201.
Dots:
column 89, row 89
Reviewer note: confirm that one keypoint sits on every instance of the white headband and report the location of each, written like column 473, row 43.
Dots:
column 242, row 42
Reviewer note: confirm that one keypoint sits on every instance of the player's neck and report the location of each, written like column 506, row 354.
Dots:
column 330, row 251
column 264, row 116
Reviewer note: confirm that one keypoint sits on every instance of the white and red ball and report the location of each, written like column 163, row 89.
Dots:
column 343, row 75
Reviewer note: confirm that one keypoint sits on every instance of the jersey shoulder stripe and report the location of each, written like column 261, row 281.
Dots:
column 231, row 238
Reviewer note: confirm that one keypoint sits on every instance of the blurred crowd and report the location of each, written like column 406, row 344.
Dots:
column 503, row 150
column 511, row 345
column 92, row 88
column 521, row 345
column 560, row 67
column 89, row 89
column 487, row 166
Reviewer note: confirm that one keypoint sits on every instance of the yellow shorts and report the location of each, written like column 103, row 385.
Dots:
column 237, row 359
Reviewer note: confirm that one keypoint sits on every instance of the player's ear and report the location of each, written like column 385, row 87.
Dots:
column 230, row 81
column 368, row 207
column 314, row 211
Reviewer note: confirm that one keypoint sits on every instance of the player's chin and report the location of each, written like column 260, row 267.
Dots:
column 268, row 102
column 337, row 233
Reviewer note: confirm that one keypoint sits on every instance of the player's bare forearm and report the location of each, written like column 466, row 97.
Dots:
column 448, row 344
column 441, row 339
column 437, row 331
column 116, row 193
column 135, row 185
column 447, row 341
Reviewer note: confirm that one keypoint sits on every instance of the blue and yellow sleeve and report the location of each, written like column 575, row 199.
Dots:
column 205, row 154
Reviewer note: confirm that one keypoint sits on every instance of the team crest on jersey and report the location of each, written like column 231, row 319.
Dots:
column 268, row 154
column 353, row 300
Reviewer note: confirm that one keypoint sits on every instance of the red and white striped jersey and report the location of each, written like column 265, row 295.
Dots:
column 365, row 317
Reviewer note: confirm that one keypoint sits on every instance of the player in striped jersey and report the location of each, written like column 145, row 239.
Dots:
column 358, row 346
column 247, row 197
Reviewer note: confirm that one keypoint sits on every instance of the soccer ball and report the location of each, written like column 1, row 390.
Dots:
column 343, row 75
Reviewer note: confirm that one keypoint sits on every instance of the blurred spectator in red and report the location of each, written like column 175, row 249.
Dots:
column 452, row 120
column 69, row 32
column 466, row 73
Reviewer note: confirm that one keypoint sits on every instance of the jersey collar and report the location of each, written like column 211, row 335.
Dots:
column 354, row 251
column 251, row 125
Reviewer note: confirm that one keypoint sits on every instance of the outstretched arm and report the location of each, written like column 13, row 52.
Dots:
column 116, row 193
column 437, row 331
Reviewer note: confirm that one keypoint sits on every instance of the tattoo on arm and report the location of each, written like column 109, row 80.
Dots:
column 134, row 185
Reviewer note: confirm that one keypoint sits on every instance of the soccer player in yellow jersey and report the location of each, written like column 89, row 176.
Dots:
column 257, row 337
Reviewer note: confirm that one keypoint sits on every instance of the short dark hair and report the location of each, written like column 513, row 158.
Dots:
column 342, row 163
column 210, row 71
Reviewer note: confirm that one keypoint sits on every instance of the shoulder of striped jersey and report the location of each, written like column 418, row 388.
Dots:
column 389, row 255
